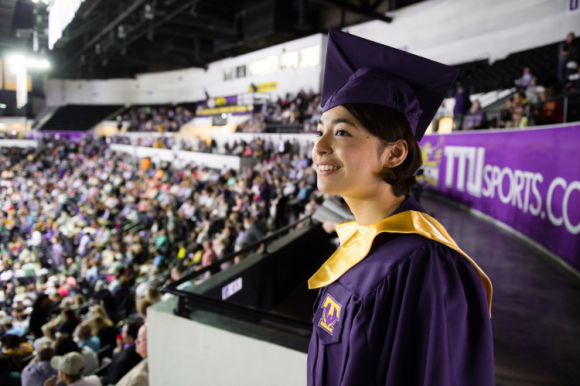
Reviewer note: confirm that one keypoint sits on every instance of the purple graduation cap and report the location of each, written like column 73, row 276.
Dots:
column 361, row 71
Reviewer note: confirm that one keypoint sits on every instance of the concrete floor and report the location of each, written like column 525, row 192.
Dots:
column 536, row 303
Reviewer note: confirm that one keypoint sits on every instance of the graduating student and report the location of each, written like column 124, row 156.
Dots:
column 399, row 304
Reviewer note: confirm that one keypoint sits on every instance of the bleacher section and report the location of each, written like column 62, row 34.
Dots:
column 78, row 117
column 479, row 76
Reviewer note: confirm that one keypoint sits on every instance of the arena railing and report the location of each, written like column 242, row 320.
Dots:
column 284, row 128
column 233, row 310
column 570, row 103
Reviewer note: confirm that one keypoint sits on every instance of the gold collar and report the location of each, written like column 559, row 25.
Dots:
column 356, row 242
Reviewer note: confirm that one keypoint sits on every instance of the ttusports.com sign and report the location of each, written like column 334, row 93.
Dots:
column 528, row 179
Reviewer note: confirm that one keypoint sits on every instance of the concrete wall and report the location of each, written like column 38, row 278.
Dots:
column 214, row 161
column 187, row 352
column 188, row 85
column 18, row 143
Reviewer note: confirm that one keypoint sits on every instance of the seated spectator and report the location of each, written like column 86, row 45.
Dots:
column 533, row 92
column 153, row 294
column 7, row 376
column 552, row 111
column 506, row 115
column 70, row 321
column 9, row 327
column 102, row 327
column 526, row 80
column 139, row 375
column 209, row 256
column 142, row 306
column 519, row 120
column 71, row 368
column 49, row 330
column 477, row 119
column 128, row 357
column 65, row 344
column 13, row 346
column 86, row 338
column 39, row 370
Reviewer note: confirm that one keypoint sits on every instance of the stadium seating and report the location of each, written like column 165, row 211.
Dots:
column 479, row 76
column 78, row 117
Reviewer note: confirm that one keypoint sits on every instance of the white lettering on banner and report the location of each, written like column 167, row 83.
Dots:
column 463, row 154
column 231, row 288
column 557, row 182
column 560, row 182
column 515, row 187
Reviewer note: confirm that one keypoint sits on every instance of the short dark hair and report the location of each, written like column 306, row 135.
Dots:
column 390, row 125
column 133, row 326
column 5, row 363
column 45, row 353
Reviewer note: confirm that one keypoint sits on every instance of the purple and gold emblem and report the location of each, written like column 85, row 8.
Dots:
column 330, row 314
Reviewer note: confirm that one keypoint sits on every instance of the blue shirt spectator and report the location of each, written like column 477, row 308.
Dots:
column 86, row 338
column 39, row 370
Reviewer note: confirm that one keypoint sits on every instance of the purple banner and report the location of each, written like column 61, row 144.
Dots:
column 528, row 179
column 74, row 136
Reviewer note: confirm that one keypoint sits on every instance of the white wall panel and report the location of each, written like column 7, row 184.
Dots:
column 188, row 85
column 186, row 352
column 453, row 31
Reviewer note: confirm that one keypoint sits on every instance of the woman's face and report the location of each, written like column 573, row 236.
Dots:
column 350, row 152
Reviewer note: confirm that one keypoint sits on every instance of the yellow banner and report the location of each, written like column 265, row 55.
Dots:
column 225, row 109
column 10, row 80
column 263, row 87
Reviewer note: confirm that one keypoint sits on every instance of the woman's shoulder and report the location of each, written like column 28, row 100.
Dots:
column 388, row 253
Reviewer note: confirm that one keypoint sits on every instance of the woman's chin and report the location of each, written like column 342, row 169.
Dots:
column 328, row 188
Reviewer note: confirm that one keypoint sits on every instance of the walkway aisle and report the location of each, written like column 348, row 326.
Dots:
column 536, row 304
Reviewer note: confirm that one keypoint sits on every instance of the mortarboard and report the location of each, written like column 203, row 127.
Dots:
column 361, row 71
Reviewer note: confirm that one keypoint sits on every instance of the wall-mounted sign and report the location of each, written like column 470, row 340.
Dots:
column 226, row 110
column 263, row 87
column 232, row 288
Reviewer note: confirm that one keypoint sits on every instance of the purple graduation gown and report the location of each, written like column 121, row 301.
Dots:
column 413, row 312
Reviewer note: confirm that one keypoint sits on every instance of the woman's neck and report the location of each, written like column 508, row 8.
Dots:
column 375, row 207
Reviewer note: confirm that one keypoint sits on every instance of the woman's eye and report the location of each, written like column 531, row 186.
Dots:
column 341, row 133
column 318, row 133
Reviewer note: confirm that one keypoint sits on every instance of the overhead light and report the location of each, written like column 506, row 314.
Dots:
column 16, row 60
column 2, row 106
column 19, row 61
column 224, row 115
column 149, row 12
column 43, row 64
column 121, row 33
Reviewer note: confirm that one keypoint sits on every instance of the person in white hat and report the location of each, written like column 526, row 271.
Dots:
column 70, row 369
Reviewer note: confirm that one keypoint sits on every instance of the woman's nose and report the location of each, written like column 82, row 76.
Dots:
column 322, row 146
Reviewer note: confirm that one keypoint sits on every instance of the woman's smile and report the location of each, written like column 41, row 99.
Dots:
column 325, row 169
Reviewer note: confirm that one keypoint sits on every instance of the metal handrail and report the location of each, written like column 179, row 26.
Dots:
column 232, row 255
column 557, row 97
column 234, row 310
column 207, row 302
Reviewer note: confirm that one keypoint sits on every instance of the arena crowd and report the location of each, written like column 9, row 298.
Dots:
column 87, row 235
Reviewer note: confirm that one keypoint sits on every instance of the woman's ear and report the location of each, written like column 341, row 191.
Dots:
column 396, row 153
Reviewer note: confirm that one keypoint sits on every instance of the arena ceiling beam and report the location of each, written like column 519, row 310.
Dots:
column 143, row 32
column 191, row 34
column 132, row 8
column 362, row 11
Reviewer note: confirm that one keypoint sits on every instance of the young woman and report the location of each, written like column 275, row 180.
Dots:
column 399, row 303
